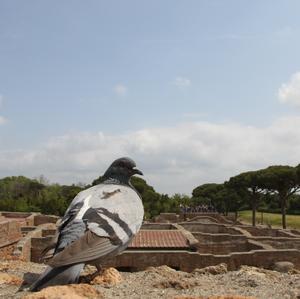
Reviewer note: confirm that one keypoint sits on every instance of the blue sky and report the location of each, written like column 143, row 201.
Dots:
column 136, row 73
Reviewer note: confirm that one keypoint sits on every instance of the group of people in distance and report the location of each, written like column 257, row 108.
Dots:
column 198, row 209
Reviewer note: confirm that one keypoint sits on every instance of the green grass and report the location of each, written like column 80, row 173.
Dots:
column 293, row 221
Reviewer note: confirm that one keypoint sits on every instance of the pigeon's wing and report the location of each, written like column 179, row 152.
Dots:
column 114, row 211
column 67, row 231
column 72, row 227
column 76, row 206
column 88, row 247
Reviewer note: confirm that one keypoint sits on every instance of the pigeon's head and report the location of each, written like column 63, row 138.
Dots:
column 122, row 170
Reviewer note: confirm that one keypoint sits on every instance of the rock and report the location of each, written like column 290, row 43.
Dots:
column 166, row 272
column 283, row 267
column 176, row 284
column 162, row 270
column 72, row 291
column 6, row 253
column 88, row 269
column 109, row 276
column 214, row 270
column 253, row 272
column 10, row 279
column 167, row 277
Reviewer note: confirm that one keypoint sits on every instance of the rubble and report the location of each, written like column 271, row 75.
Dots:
column 214, row 270
column 110, row 276
column 73, row 291
column 6, row 278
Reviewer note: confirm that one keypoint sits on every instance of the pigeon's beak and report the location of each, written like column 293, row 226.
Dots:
column 137, row 171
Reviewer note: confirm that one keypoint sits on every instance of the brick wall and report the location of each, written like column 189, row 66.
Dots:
column 188, row 261
column 263, row 231
column 212, row 228
column 10, row 232
column 42, row 219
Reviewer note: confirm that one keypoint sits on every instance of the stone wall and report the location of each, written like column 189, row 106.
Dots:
column 280, row 243
column 217, row 216
column 212, row 228
column 175, row 218
column 37, row 246
column 42, row 219
column 26, row 219
column 167, row 217
column 264, row 231
column 10, row 232
column 203, row 219
column 224, row 243
column 15, row 214
column 158, row 226
column 24, row 246
column 188, row 261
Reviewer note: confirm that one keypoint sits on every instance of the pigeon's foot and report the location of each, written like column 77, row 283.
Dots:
column 88, row 278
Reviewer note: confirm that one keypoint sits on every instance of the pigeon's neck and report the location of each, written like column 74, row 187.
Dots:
column 117, row 180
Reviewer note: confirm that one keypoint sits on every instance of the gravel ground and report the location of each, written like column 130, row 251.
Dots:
column 164, row 282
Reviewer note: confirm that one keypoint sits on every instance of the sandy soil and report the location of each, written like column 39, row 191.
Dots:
column 159, row 282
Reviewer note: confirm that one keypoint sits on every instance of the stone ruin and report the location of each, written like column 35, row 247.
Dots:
column 183, row 242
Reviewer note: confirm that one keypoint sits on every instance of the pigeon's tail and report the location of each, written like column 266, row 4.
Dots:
column 57, row 276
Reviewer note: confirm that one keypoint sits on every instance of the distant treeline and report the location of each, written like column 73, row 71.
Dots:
column 273, row 189
column 19, row 193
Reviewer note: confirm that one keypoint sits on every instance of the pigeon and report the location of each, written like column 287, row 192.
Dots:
column 99, row 223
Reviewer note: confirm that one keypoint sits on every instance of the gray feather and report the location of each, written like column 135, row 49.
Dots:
column 57, row 276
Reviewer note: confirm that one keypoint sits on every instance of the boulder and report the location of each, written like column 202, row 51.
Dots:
column 283, row 267
column 109, row 276
column 214, row 270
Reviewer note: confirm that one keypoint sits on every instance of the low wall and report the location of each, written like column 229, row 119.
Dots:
column 264, row 231
column 217, row 216
column 295, row 232
column 173, row 217
column 10, row 232
column 23, row 247
column 38, row 244
column 224, row 243
column 280, row 243
column 158, row 226
column 167, row 217
column 15, row 214
column 42, row 219
column 188, row 261
column 25, row 218
column 203, row 219
column 211, row 228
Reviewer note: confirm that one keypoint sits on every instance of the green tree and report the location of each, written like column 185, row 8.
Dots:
column 221, row 196
column 249, row 181
column 283, row 181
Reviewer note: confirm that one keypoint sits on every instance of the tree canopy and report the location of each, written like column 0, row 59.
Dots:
column 30, row 195
column 273, row 189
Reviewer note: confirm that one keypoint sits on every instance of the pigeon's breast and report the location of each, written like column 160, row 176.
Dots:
column 116, row 211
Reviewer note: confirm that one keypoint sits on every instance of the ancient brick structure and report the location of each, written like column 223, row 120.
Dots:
column 202, row 240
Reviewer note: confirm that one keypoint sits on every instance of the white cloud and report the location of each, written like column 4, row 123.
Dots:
column 290, row 92
column 182, row 82
column 173, row 159
column 120, row 89
column 3, row 120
